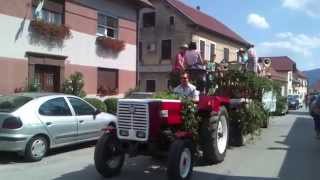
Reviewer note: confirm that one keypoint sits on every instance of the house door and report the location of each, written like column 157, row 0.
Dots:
column 48, row 77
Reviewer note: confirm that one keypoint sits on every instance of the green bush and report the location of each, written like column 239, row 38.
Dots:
column 281, row 105
column 97, row 104
column 111, row 105
column 74, row 85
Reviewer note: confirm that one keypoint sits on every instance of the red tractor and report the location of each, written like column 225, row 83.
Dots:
column 152, row 126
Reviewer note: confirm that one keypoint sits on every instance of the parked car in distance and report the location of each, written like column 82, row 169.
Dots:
column 33, row 123
column 293, row 102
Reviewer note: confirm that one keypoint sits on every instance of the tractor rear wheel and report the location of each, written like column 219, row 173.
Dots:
column 214, row 136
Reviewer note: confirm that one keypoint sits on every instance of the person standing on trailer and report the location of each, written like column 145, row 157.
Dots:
column 195, row 66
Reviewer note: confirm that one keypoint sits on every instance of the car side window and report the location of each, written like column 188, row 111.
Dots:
column 55, row 107
column 80, row 107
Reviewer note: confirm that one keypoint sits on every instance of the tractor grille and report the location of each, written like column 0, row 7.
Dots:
column 133, row 121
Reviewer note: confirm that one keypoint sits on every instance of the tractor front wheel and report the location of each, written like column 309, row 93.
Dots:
column 180, row 160
column 108, row 155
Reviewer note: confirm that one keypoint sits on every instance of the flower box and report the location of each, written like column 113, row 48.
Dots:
column 48, row 31
column 107, row 43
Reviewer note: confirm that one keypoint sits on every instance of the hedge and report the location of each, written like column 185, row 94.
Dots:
column 97, row 104
column 111, row 105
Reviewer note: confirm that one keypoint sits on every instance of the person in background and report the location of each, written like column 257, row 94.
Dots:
column 179, row 64
column 315, row 113
column 242, row 56
column 306, row 97
column 211, row 68
column 195, row 66
column 178, row 67
column 186, row 89
column 252, row 59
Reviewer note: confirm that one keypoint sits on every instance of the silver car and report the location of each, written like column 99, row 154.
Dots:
column 32, row 123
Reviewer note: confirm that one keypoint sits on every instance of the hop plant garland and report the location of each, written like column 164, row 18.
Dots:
column 190, row 117
column 189, row 112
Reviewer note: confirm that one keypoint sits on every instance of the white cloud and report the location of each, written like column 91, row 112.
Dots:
column 298, row 43
column 300, row 47
column 257, row 21
column 310, row 7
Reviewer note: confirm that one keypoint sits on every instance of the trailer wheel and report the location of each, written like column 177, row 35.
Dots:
column 180, row 160
column 266, row 122
column 108, row 156
column 214, row 136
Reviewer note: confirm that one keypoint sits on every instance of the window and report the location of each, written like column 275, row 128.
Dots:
column 149, row 19
column 80, row 107
column 55, row 107
column 151, row 86
column 212, row 51
column 226, row 54
column 202, row 49
column 171, row 20
column 107, row 26
column 166, row 48
column 107, row 81
column 9, row 104
column 52, row 11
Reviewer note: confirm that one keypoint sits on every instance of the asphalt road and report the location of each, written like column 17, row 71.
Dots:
column 288, row 150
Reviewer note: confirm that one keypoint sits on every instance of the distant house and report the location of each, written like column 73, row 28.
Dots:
column 45, row 43
column 285, row 68
column 172, row 23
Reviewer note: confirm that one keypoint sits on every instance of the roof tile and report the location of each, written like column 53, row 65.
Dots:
column 207, row 21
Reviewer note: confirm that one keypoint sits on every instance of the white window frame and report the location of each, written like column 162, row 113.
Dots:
column 207, row 47
column 107, row 27
column 215, row 49
column 51, row 15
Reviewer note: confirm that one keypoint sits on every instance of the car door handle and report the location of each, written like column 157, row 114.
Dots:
column 81, row 121
column 48, row 123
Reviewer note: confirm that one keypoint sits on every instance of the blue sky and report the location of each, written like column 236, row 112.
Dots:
column 276, row 27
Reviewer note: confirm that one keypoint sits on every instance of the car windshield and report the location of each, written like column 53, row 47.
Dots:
column 11, row 103
column 293, row 97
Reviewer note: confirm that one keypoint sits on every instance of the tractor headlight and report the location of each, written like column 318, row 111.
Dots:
column 124, row 133
column 140, row 134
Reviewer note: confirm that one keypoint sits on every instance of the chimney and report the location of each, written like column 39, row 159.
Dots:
column 198, row 8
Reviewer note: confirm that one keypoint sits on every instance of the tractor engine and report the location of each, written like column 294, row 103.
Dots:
column 141, row 120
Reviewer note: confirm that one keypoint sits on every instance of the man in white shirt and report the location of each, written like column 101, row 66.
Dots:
column 186, row 88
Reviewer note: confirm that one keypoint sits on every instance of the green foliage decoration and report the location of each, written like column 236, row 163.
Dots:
column 249, row 117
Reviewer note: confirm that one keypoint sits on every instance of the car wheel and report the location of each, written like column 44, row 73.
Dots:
column 36, row 148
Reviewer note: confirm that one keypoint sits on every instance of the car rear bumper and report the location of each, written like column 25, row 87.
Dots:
column 13, row 143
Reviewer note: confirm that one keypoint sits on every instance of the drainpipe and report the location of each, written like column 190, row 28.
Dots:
column 137, row 49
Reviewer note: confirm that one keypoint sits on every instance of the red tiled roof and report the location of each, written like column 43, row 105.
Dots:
column 282, row 63
column 301, row 75
column 277, row 76
column 206, row 21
